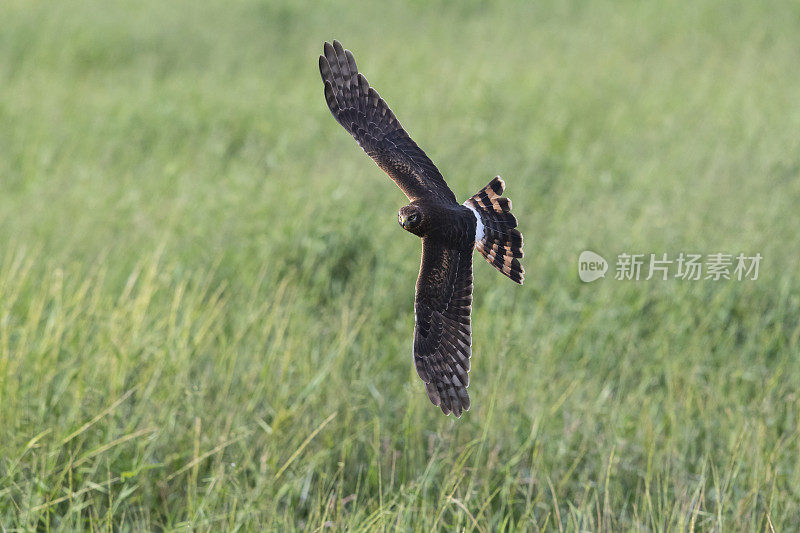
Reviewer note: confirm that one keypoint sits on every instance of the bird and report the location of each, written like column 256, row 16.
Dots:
column 450, row 231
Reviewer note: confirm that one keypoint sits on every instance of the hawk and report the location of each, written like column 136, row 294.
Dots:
column 450, row 231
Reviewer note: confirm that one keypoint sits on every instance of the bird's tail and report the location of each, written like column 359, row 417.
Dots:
column 497, row 237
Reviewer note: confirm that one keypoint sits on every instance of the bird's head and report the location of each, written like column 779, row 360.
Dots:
column 412, row 219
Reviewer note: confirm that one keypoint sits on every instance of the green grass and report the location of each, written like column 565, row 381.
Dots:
column 206, row 302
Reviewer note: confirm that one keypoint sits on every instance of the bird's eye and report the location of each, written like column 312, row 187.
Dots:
column 414, row 217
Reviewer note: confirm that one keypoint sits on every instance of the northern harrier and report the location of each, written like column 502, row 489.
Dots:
column 449, row 230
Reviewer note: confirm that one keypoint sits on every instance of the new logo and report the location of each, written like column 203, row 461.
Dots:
column 591, row 266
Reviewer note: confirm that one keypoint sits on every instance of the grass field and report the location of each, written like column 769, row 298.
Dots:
column 206, row 301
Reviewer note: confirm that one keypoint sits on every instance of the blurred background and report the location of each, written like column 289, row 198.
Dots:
column 206, row 302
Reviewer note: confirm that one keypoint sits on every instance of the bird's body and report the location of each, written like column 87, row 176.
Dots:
column 452, row 224
column 449, row 231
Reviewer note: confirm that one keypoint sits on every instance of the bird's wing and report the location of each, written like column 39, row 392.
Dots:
column 442, row 332
column 364, row 114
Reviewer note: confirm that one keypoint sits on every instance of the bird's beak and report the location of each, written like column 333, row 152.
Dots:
column 403, row 222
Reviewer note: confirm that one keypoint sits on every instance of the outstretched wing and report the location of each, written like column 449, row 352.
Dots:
column 364, row 114
column 442, row 332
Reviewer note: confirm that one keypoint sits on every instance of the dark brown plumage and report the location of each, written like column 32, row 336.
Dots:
column 449, row 231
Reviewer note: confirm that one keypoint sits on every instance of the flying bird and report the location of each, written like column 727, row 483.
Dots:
column 450, row 231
